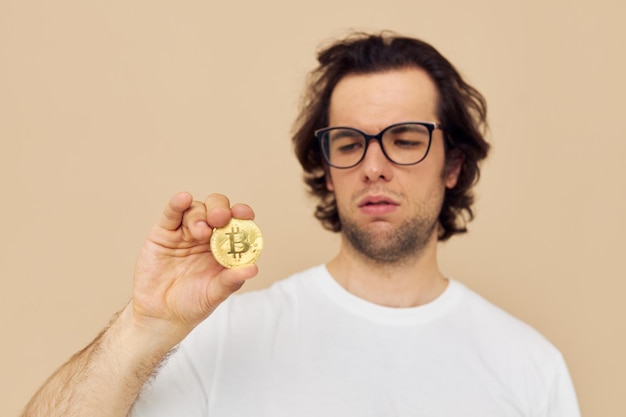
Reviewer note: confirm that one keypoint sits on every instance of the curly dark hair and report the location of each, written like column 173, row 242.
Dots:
column 462, row 111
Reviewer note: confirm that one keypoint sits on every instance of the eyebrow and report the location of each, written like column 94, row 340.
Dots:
column 408, row 128
column 342, row 133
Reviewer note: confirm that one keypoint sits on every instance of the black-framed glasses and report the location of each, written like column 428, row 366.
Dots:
column 402, row 143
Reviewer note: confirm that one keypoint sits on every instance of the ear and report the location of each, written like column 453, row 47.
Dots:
column 454, row 162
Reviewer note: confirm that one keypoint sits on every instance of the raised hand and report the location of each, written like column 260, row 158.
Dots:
column 177, row 281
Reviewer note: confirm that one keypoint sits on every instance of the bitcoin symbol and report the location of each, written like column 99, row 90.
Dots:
column 238, row 242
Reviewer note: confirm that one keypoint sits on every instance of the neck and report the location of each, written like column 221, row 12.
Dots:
column 412, row 282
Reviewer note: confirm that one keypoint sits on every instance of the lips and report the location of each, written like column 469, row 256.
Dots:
column 377, row 201
column 377, row 206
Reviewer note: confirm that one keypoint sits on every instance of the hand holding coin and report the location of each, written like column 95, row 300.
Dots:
column 196, row 256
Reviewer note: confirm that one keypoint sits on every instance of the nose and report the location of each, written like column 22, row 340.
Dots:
column 375, row 165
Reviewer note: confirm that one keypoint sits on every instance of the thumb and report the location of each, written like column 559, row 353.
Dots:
column 228, row 281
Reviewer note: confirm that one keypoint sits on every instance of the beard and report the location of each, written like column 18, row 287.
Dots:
column 401, row 244
column 395, row 246
column 407, row 241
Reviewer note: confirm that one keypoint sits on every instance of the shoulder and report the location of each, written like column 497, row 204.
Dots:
column 496, row 324
column 511, row 348
column 520, row 355
column 243, row 314
column 251, row 308
column 281, row 292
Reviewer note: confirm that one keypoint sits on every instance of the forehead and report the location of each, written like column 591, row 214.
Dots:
column 373, row 101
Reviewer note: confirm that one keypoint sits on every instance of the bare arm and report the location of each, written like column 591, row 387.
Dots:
column 177, row 284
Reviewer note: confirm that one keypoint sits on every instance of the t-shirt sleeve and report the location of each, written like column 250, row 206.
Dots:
column 561, row 399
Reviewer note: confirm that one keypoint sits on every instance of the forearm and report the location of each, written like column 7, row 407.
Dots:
column 105, row 378
column 177, row 284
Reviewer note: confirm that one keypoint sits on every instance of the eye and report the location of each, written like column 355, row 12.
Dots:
column 408, row 143
column 345, row 141
column 407, row 137
column 348, row 147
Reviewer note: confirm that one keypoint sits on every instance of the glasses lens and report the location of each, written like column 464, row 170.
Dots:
column 406, row 143
column 343, row 147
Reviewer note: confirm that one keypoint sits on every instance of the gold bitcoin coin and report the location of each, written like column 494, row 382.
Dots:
column 238, row 243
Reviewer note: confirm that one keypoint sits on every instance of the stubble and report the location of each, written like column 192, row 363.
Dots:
column 394, row 245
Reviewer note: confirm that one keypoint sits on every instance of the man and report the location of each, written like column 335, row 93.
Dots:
column 390, row 137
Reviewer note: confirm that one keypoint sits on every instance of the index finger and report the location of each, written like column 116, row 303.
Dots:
column 217, row 210
column 172, row 216
column 242, row 211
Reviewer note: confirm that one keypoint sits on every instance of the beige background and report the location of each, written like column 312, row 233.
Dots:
column 109, row 107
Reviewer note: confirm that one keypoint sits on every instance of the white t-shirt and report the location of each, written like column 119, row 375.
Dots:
column 307, row 347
